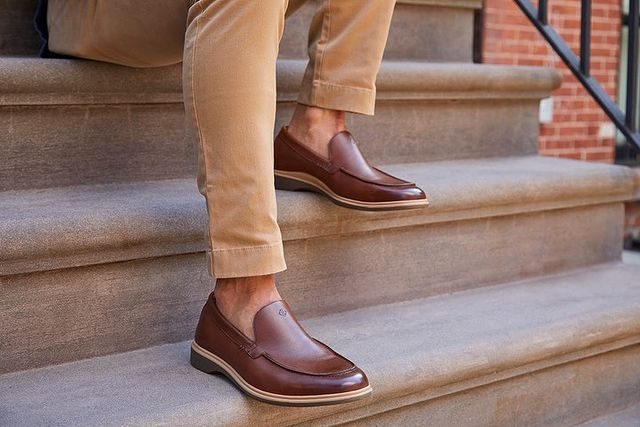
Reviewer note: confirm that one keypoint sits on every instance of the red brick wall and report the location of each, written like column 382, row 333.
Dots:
column 510, row 39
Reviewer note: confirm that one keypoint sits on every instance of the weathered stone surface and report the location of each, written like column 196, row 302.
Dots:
column 421, row 29
column 442, row 129
column 51, row 146
column 413, row 262
column 63, row 315
column 35, row 81
column 555, row 397
column 553, row 351
column 100, row 269
column 90, row 123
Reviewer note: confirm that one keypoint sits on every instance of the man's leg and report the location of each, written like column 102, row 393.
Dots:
column 315, row 152
column 229, row 87
column 346, row 43
column 245, row 330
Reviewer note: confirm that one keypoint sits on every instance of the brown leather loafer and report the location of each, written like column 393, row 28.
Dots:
column 345, row 177
column 284, row 365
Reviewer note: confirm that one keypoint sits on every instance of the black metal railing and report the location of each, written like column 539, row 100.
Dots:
column 626, row 121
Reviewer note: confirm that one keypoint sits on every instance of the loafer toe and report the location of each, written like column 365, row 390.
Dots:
column 413, row 193
column 356, row 380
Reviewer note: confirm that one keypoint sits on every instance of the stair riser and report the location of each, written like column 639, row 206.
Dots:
column 104, row 309
column 560, row 396
column 49, row 146
column 419, row 31
column 406, row 131
column 339, row 273
column 99, row 310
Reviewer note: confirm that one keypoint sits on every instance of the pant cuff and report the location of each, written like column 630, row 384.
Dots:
column 322, row 94
column 245, row 262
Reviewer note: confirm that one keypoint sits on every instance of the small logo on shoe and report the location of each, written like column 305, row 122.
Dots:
column 282, row 312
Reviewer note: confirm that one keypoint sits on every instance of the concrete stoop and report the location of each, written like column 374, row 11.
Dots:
column 502, row 304
column 554, row 351
column 105, row 262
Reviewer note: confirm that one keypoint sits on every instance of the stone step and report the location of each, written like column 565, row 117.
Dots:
column 432, row 30
column 104, row 262
column 81, row 122
column 550, row 352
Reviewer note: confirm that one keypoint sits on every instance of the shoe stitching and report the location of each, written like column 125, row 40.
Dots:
column 324, row 164
column 302, row 371
column 354, row 175
column 221, row 329
column 248, row 349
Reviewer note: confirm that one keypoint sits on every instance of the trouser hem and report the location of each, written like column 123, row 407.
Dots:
column 332, row 96
column 248, row 261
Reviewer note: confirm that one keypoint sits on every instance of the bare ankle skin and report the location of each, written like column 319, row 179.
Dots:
column 315, row 126
column 239, row 299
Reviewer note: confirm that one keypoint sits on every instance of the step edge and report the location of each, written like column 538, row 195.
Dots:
column 394, row 402
column 100, row 83
column 462, row 4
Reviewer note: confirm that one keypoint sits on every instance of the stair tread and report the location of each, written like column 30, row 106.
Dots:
column 412, row 351
column 34, row 81
column 84, row 225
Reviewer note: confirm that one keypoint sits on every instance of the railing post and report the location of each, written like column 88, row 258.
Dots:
column 585, row 37
column 580, row 66
column 543, row 12
column 632, row 67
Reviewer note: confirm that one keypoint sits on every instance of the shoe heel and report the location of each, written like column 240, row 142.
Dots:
column 289, row 184
column 203, row 364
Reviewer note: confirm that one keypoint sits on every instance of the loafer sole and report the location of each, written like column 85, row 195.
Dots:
column 209, row 363
column 296, row 181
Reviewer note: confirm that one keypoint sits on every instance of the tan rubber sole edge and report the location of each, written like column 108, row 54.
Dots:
column 343, row 201
column 280, row 398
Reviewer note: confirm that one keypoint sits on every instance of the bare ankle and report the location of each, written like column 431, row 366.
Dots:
column 239, row 299
column 245, row 287
column 315, row 126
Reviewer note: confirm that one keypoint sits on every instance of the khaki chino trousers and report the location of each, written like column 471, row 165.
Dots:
column 229, row 50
